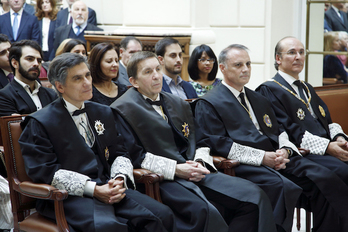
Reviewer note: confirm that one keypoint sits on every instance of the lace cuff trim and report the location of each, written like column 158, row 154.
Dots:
column 122, row 165
column 335, row 129
column 159, row 164
column 285, row 142
column 73, row 182
column 246, row 155
column 203, row 155
column 315, row 144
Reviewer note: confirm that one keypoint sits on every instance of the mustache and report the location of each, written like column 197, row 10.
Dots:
column 34, row 69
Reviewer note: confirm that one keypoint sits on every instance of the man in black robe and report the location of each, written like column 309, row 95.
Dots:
column 166, row 134
column 71, row 145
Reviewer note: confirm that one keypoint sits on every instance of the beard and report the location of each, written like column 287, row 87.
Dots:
column 27, row 75
column 173, row 70
column 79, row 20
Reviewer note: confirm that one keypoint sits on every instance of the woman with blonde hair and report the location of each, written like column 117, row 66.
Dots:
column 46, row 13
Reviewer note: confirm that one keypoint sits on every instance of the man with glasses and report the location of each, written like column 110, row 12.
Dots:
column 169, row 53
column 6, row 75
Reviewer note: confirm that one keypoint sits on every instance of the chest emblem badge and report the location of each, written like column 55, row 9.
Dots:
column 322, row 111
column 186, row 129
column 267, row 120
column 300, row 114
column 99, row 127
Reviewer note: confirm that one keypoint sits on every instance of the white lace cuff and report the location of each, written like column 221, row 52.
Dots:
column 203, row 155
column 74, row 183
column 122, row 165
column 159, row 164
column 285, row 142
column 315, row 144
column 246, row 155
column 335, row 129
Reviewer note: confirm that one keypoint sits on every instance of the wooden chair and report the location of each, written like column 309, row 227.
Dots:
column 24, row 192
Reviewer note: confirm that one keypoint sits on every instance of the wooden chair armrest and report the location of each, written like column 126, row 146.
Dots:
column 40, row 191
column 303, row 151
column 151, row 181
column 227, row 165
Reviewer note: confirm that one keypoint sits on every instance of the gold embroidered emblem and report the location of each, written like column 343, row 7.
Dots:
column 186, row 129
column 301, row 114
column 322, row 111
column 107, row 154
column 267, row 121
column 99, row 127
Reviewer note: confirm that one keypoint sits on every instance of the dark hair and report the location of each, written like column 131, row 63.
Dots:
column 4, row 38
column 125, row 41
column 96, row 55
column 72, row 43
column 193, row 62
column 16, row 50
column 161, row 45
column 278, row 49
column 223, row 53
column 60, row 65
column 40, row 14
column 132, row 67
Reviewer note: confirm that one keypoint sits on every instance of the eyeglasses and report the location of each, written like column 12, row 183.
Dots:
column 294, row 52
column 3, row 52
column 210, row 61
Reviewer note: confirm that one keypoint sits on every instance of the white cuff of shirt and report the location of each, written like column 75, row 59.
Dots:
column 124, row 180
column 246, row 154
column 89, row 188
column 203, row 155
column 284, row 141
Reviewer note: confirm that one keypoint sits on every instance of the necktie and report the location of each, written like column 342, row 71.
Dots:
column 299, row 84
column 78, row 112
column 70, row 20
column 242, row 100
column 78, row 30
column 87, row 133
column 15, row 26
column 10, row 77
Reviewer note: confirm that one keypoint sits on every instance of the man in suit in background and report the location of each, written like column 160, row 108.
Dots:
column 76, row 30
column 19, row 24
column 29, row 8
column 169, row 53
column 335, row 18
column 64, row 16
column 24, row 94
column 6, row 74
column 128, row 47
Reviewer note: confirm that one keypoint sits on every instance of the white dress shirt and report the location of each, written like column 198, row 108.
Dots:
column 33, row 94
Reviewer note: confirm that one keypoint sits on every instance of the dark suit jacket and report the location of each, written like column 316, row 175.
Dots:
column 3, row 79
column 28, row 28
column 29, row 8
column 62, row 33
column 14, row 99
column 335, row 22
column 189, row 90
column 123, row 76
column 50, row 37
column 62, row 17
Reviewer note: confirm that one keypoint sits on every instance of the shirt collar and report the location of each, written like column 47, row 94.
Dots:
column 335, row 8
column 71, row 108
column 19, row 12
column 6, row 72
column 146, row 97
column 233, row 90
column 123, row 64
column 168, row 80
column 82, row 26
column 24, row 85
column 288, row 78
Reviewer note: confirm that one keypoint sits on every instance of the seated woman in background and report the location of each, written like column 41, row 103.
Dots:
column 103, row 62
column 46, row 13
column 333, row 67
column 202, row 68
column 343, row 36
column 75, row 46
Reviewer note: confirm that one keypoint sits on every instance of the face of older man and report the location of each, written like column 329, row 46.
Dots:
column 79, row 12
column 16, row 5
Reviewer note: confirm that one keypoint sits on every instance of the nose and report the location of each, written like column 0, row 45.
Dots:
column 157, row 75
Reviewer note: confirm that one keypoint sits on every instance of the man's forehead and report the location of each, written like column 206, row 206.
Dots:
column 78, row 70
column 148, row 63
column 173, row 49
column 4, row 45
column 133, row 45
column 291, row 43
column 236, row 55
column 79, row 5
column 29, row 51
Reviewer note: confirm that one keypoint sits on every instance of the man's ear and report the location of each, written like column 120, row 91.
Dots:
column 160, row 58
column 15, row 63
column 134, row 82
column 121, row 52
column 222, row 68
column 59, row 87
column 278, row 59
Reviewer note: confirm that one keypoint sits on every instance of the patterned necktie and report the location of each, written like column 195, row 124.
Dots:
column 242, row 100
column 15, row 26
column 88, row 136
column 10, row 77
column 299, row 84
column 78, row 30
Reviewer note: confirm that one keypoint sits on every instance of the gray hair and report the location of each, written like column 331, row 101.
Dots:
column 223, row 54
column 60, row 65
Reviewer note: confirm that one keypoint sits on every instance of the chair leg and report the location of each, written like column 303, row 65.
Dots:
column 298, row 216
column 308, row 221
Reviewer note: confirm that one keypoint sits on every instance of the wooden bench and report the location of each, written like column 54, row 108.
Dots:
column 336, row 99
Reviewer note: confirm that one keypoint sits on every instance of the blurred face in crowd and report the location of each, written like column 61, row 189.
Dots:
column 46, row 6
column 292, row 57
column 79, row 49
column 16, row 5
column 172, row 60
column 79, row 12
column 149, row 78
column 237, row 68
column 205, row 64
column 70, row 2
column 132, row 47
column 109, row 64
column 4, row 62
column 29, row 65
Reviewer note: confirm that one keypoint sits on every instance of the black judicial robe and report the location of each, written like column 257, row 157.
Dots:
column 167, row 139
column 51, row 141
column 222, row 118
